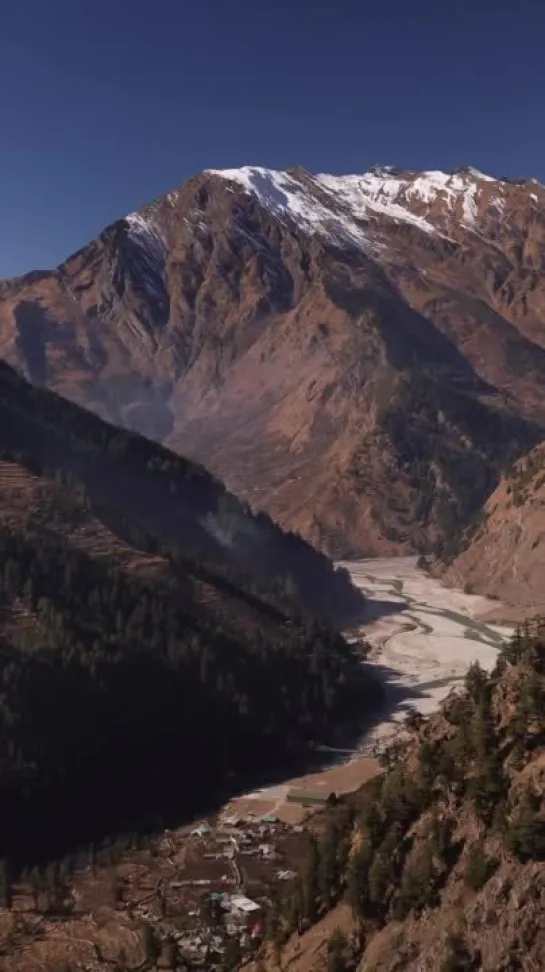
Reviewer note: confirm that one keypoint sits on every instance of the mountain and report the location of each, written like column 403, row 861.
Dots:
column 361, row 356
column 147, row 490
column 437, row 865
column 156, row 641
column 502, row 555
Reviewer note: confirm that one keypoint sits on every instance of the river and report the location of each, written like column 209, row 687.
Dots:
column 423, row 637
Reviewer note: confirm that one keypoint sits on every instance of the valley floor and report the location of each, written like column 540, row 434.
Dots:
column 423, row 638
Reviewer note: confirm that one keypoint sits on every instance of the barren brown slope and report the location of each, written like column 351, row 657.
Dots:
column 349, row 355
column 505, row 555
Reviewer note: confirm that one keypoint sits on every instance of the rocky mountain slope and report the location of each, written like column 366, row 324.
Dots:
column 438, row 865
column 503, row 554
column 361, row 356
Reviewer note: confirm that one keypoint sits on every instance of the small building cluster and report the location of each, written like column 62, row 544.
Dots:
column 215, row 883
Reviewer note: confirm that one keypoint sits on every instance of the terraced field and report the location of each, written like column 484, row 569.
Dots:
column 40, row 503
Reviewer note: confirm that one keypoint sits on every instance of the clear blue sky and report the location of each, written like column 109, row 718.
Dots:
column 105, row 104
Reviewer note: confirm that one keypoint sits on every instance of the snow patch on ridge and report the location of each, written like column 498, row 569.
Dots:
column 372, row 194
column 479, row 175
column 287, row 197
column 346, row 206
column 394, row 191
column 333, row 206
column 149, row 251
column 146, row 233
column 284, row 196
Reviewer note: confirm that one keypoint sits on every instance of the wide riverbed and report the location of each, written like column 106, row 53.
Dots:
column 423, row 635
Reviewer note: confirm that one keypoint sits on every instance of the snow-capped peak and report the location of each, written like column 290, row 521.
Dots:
column 400, row 195
column 476, row 174
column 333, row 206
column 347, row 206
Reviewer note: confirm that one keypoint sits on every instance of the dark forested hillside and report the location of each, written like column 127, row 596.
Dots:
column 171, row 498
column 144, row 671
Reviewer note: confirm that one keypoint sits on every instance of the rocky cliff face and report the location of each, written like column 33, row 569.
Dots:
column 504, row 553
column 361, row 356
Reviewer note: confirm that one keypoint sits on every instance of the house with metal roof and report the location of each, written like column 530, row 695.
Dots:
column 312, row 798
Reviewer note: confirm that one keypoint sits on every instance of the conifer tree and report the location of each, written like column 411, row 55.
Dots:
column 358, row 881
column 336, row 949
column 311, row 881
column 526, row 832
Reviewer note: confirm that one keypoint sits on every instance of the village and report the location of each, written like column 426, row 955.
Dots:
column 196, row 897
column 217, row 878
